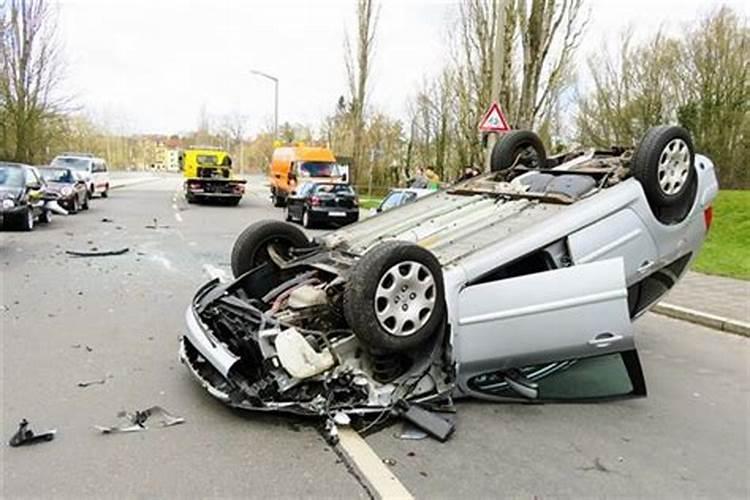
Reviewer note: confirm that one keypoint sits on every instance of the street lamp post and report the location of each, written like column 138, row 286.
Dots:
column 275, row 99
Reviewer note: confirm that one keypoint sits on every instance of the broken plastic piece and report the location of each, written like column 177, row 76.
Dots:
column 102, row 253
column 411, row 433
column 86, row 383
column 24, row 435
column 134, row 422
column 433, row 424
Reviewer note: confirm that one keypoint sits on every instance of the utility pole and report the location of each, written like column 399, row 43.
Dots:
column 498, row 63
column 275, row 81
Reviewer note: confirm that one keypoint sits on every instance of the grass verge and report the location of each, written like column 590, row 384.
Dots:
column 726, row 251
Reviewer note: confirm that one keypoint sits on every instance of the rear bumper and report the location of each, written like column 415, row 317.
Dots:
column 330, row 214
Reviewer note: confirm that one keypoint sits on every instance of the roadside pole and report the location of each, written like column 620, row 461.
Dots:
column 498, row 62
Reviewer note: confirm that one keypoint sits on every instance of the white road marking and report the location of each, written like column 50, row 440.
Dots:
column 372, row 468
column 178, row 217
column 215, row 272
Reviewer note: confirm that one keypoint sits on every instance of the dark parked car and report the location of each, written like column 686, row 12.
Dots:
column 70, row 185
column 321, row 202
column 23, row 196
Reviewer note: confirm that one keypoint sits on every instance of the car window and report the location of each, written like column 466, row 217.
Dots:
column 11, row 176
column 31, row 178
column 334, row 189
column 408, row 197
column 74, row 163
column 305, row 189
column 392, row 200
column 57, row 175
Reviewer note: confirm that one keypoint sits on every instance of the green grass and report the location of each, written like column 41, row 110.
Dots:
column 369, row 202
column 726, row 251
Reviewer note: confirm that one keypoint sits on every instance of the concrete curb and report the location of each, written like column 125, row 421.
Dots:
column 704, row 319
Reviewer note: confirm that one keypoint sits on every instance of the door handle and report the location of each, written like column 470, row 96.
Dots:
column 604, row 339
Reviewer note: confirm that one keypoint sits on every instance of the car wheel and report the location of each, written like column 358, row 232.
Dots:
column 45, row 216
column 105, row 193
column 85, row 204
column 278, row 201
column 518, row 148
column 75, row 206
column 251, row 249
column 394, row 299
column 664, row 165
column 26, row 221
column 306, row 222
column 288, row 215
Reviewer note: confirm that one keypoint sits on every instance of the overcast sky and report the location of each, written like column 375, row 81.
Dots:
column 150, row 65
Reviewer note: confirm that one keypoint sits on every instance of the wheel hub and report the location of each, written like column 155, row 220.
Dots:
column 405, row 298
column 674, row 166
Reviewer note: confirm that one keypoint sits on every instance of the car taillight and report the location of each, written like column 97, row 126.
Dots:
column 708, row 216
column 314, row 201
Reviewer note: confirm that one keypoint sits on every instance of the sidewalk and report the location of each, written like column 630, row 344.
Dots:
column 712, row 301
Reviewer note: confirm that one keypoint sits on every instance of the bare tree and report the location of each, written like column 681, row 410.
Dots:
column 358, row 66
column 31, row 74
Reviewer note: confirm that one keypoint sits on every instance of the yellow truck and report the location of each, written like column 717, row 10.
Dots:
column 208, row 176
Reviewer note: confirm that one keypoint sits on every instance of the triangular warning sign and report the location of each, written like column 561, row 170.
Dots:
column 494, row 120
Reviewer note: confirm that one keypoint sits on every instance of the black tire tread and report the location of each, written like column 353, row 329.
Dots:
column 505, row 150
column 254, row 234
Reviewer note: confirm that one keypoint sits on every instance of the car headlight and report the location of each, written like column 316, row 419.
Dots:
column 8, row 203
column 66, row 191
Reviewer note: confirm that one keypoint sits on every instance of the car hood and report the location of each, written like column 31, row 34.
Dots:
column 10, row 192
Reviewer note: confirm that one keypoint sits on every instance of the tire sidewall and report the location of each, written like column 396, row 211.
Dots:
column 506, row 149
column 647, row 157
column 247, row 245
column 359, row 297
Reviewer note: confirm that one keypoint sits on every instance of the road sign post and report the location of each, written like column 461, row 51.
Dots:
column 493, row 122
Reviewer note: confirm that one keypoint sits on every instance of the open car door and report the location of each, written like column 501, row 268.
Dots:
column 561, row 334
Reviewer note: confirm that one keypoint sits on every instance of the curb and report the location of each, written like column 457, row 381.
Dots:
column 709, row 320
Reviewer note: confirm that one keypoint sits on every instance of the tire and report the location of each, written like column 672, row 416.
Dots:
column 85, row 205
column 369, row 300
column 306, row 222
column 288, row 215
column 105, row 193
column 233, row 202
column 26, row 220
column 250, row 248
column 74, row 207
column 518, row 142
column 278, row 201
column 664, row 165
column 45, row 217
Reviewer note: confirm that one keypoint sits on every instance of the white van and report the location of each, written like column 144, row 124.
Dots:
column 94, row 169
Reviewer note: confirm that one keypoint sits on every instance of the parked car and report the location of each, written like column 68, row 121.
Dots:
column 519, row 285
column 70, row 185
column 400, row 196
column 23, row 196
column 323, row 203
column 94, row 170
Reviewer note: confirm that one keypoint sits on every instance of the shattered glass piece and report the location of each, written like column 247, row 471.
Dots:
column 133, row 422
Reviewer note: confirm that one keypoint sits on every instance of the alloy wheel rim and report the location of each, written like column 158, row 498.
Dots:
column 405, row 298
column 674, row 166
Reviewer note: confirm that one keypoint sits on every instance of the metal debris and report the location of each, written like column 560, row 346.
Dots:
column 106, row 219
column 24, row 435
column 86, row 383
column 133, row 422
column 98, row 253
column 389, row 461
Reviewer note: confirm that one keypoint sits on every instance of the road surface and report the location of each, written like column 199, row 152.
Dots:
column 66, row 320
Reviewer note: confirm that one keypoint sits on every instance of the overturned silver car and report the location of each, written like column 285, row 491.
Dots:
column 521, row 284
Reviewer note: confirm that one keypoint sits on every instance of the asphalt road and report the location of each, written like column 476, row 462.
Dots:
column 65, row 320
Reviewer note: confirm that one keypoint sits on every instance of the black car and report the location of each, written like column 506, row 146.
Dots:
column 323, row 202
column 23, row 196
column 70, row 185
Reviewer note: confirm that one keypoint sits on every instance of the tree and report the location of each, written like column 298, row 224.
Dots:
column 31, row 72
column 358, row 66
column 714, row 77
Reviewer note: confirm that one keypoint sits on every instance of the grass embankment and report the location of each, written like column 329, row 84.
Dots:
column 726, row 251
column 369, row 202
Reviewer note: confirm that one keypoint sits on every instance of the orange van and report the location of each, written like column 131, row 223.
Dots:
column 292, row 166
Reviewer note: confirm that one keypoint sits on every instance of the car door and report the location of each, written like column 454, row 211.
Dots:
column 34, row 191
column 552, row 335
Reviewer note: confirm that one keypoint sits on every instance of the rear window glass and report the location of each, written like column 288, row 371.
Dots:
column 57, row 175
column 334, row 189
column 76, row 163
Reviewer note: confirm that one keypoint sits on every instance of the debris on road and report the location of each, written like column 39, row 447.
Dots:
column 98, row 253
column 98, row 381
column 106, row 219
column 411, row 433
column 156, row 225
column 389, row 461
column 24, row 435
column 133, row 422
column 430, row 422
